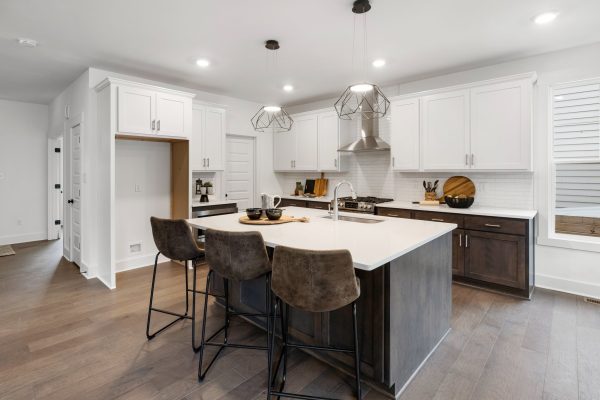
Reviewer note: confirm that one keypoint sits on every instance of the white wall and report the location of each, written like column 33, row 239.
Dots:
column 565, row 268
column 23, row 172
column 147, row 166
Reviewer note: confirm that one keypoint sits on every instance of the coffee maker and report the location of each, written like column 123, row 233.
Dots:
column 202, row 191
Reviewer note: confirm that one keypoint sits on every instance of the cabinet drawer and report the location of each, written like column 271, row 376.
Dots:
column 499, row 225
column 292, row 203
column 320, row 205
column 394, row 212
column 439, row 217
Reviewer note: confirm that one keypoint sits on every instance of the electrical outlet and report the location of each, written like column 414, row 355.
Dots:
column 138, row 187
column 135, row 247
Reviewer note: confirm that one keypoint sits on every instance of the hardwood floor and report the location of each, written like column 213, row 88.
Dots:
column 64, row 337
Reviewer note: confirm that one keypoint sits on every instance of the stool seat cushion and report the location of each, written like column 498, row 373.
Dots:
column 314, row 281
column 239, row 256
column 174, row 239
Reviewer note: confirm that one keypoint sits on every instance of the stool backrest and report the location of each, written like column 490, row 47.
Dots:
column 239, row 256
column 314, row 281
column 174, row 239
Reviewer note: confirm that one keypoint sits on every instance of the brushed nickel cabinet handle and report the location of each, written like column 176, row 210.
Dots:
column 460, row 240
column 437, row 219
column 392, row 215
column 158, row 125
column 466, row 241
column 204, row 162
column 393, row 161
column 335, row 162
column 467, row 160
column 493, row 225
column 208, row 162
column 153, row 124
column 472, row 160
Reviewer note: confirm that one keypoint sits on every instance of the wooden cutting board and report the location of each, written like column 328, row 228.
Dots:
column 321, row 186
column 265, row 221
column 456, row 185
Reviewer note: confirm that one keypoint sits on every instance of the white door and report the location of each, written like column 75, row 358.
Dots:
column 284, row 150
column 214, row 139
column 328, row 131
column 197, row 160
column 136, row 109
column 445, row 122
column 74, row 201
column 501, row 126
column 239, row 171
column 306, row 143
column 170, row 114
column 405, row 135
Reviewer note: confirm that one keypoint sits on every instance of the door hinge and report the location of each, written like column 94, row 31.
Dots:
column 57, row 222
column 57, row 186
column 57, row 149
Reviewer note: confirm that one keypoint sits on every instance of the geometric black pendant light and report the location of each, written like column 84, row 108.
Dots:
column 272, row 118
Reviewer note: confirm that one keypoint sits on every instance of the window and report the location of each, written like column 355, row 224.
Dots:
column 575, row 160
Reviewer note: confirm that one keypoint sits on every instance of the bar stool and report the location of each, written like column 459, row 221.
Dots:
column 317, row 282
column 237, row 256
column 174, row 239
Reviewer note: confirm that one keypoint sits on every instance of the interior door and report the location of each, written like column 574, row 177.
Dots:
column 75, row 200
column 328, row 131
column 214, row 139
column 445, row 121
column 170, row 114
column 136, row 110
column 306, row 143
column 239, row 171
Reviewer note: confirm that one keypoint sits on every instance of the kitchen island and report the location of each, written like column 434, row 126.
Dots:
column 404, row 268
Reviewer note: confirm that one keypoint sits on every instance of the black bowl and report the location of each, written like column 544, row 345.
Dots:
column 274, row 213
column 253, row 213
column 459, row 202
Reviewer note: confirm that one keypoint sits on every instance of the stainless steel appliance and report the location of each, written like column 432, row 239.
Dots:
column 209, row 210
column 365, row 205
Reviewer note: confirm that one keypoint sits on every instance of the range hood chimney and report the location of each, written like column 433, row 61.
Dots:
column 369, row 138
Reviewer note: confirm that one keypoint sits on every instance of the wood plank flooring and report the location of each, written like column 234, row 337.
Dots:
column 65, row 337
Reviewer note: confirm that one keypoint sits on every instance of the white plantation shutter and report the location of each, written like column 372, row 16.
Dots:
column 577, row 185
column 576, row 122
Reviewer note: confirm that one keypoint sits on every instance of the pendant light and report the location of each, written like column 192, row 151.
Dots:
column 272, row 117
column 362, row 99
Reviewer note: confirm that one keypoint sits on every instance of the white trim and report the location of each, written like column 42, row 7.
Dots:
column 145, row 260
column 567, row 285
column 111, row 287
column 23, row 238
column 116, row 81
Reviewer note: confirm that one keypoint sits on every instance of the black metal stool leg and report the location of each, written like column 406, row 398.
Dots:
column 187, row 288
column 194, row 290
column 203, row 335
column 356, row 351
column 271, row 338
column 151, row 298
column 226, row 289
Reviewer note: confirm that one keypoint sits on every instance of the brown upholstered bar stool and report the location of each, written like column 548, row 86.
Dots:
column 312, row 281
column 237, row 256
column 174, row 239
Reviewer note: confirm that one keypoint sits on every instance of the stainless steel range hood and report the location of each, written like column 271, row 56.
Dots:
column 369, row 138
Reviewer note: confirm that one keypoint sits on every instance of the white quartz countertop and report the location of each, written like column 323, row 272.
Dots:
column 371, row 245
column 212, row 203
column 324, row 199
column 473, row 210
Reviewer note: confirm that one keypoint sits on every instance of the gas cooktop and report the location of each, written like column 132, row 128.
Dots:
column 360, row 204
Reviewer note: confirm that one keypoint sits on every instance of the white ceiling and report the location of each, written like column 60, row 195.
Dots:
column 160, row 40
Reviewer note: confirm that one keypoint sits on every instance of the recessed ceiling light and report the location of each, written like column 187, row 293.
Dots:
column 202, row 62
column 380, row 62
column 27, row 42
column 545, row 18
column 288, row 88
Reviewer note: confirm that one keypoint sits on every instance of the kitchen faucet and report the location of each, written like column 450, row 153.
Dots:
column 336, row 214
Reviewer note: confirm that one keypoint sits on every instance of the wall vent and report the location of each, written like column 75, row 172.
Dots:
column 592, row 300
column 135, row 247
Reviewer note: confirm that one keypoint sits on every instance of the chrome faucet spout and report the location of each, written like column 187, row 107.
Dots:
column 335, row 215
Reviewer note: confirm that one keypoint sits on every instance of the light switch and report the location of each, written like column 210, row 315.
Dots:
column 138, row 187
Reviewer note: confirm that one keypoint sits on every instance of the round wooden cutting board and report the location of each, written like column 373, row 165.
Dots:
column 456, row 185
column 265, row 221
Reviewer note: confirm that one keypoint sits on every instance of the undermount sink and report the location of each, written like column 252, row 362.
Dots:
column 356, row 219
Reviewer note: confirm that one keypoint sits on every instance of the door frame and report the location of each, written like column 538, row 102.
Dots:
column 55, row 196
column 255, row 176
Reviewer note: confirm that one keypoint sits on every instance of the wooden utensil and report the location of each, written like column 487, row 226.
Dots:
column 265, row 221
column 457, row 185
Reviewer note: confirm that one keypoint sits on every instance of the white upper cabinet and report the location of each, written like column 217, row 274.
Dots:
column 172, row 114
column 405, row 134
column 329, row 138
column 207, row 145
column 306, row 132
column 445, row 131
column 284, row 149
column 501, row 126
column 136, row 109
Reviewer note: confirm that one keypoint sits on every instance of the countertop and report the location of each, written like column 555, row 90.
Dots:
column 473, row 210
column 324, row 199
column 371, row 245
column 212, row 203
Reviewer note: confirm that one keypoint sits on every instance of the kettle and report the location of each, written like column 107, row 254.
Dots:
column 268, row 201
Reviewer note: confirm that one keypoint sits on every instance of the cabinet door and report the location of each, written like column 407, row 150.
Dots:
column 458, row 254
column 496, row 258
column 501, row 126
column 197, row 159
column 445, row 121
column 405, row 135
column 136, row 109
column 284, row 150
column 306, row 143
column 171, row 114
column 328, row 131
column 214, row 139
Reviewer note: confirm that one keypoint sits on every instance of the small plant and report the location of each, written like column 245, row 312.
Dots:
column 207, row 184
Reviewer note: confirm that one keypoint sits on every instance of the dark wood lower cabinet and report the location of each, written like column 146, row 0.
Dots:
column 458, row 255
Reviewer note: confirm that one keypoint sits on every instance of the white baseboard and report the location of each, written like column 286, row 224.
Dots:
column 130, row 263
column 106, row 283
column 567, row 285
column 23, row 238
